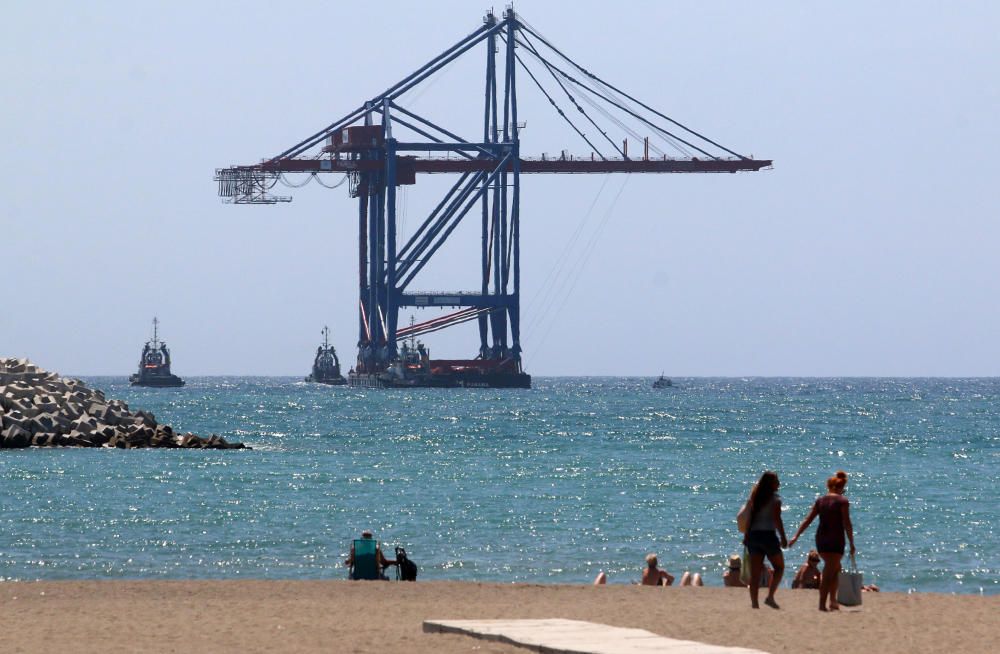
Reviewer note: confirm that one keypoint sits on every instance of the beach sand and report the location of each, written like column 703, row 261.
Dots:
column 387, row 617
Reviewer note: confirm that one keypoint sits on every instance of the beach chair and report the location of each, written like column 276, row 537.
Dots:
column 365, row 564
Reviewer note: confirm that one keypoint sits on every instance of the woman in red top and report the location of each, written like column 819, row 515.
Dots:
column 834, row 511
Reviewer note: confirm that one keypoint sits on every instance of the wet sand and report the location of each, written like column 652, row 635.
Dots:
column 387, row 617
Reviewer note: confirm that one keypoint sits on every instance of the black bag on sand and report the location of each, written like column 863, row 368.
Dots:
column 407, row 568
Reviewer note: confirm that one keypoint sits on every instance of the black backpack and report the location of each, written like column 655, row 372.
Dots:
column 407, row 568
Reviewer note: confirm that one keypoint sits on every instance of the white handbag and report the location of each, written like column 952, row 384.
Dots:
column 849, row 585
column 743, row 518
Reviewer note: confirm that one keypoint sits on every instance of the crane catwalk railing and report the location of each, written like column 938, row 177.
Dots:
column 241, row 181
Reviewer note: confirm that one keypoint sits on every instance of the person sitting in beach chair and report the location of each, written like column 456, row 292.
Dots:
column 653, row 576
column 366, row 560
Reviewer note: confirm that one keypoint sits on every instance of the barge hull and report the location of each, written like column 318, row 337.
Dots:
column 454, row 380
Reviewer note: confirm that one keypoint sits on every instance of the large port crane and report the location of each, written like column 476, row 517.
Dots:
column 379, row 146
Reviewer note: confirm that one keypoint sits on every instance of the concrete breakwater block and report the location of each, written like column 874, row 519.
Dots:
column 41, row 409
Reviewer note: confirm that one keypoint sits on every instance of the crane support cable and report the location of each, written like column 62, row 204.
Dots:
column 531, row 48
column 581, row 263
column 555, row 272
column 556, row 106
column 584, row 91
column 639, row 116
column 617, row 90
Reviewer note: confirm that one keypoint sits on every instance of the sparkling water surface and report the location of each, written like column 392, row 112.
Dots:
column 551, row 484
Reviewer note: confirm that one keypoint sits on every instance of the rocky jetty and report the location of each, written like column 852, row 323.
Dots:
column 43, row 409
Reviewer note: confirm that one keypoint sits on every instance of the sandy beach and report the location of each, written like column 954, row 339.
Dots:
column 380, row 617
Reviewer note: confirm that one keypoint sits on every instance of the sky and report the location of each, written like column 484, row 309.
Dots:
column 868, row 250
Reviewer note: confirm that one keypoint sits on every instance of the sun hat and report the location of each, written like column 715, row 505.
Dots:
column 735, row 562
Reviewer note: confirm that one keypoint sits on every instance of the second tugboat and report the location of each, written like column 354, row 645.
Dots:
column 154, row 365
column 326, row 365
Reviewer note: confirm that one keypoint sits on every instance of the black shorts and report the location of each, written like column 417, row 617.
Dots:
column 763, row 542
column 830, row 545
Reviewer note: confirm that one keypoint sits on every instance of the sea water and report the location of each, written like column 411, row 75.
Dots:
column 550, row 485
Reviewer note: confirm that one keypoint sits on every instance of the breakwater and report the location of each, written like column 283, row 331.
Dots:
column 40, row 408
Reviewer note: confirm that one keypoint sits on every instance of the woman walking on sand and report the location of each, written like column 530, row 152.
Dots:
column 834, row 511
column 762, row 536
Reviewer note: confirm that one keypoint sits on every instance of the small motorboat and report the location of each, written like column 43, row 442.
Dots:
column 663, row 382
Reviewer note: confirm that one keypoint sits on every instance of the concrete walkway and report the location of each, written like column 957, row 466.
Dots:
column 557, row 636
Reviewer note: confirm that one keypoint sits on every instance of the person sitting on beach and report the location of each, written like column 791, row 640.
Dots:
column 731, row 577
column 383, row 562
column 687, row 579
column 653, row 576
column 808, row 575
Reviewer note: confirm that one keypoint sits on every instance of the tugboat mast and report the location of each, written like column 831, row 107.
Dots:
column 156, row 325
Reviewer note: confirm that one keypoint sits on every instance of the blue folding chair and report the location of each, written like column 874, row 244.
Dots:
column 365, row 564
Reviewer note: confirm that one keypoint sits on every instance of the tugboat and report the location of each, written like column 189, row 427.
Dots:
column 154, row 365
column 663, row 382
column 326, row 365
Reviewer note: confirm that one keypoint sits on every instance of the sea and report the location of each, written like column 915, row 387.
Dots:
column 548, row 485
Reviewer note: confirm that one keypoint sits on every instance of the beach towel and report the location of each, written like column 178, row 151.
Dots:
column 850, row 584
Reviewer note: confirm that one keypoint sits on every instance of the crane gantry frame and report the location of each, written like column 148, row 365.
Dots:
column 366, row 145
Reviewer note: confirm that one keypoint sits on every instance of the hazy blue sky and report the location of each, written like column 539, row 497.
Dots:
column 869, row 249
